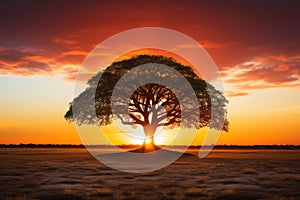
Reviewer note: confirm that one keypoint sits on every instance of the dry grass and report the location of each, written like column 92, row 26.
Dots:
column 31, row 174
column 17, row 198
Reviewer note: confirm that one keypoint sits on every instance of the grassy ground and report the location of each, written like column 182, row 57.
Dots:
column 75, row 174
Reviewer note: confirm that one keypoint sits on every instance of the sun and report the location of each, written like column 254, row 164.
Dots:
column 148, row 141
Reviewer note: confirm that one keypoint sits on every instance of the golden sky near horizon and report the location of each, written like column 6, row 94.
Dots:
column 257, row 53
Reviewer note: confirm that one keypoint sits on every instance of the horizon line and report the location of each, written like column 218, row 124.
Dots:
column 224, row 146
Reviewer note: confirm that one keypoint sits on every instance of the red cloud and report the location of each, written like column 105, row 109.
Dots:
column 264, row 72
column 65, row 41
column 236, row 94
column 274, row 70
column 31, row 63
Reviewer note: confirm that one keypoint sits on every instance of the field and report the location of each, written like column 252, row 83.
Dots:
column 50, row 173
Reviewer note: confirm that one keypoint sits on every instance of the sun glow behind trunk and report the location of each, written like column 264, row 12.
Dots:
column 162, row 136
column 148, row 141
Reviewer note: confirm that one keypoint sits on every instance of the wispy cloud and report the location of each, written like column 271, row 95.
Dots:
column 236, row 94
column 75, row 53
column 263, row 72
column 214, row 45
column 206, row 45
column 16, row 62
column 65, row 41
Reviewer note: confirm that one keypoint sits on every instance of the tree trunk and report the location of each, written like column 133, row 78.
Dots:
column 149, row 144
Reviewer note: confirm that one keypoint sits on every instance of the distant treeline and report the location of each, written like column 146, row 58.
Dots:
column 266, row 147
column 62, row 146
column 287, row 147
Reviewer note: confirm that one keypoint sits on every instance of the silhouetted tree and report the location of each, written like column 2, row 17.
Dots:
column 150, row 105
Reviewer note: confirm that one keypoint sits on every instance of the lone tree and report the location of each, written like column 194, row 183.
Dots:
column 150, row 105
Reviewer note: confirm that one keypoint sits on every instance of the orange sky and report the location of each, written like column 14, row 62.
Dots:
column 256, row 50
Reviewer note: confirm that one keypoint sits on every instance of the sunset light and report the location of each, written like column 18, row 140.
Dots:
column 149, row 100
column 260, row 77
column 148, row 141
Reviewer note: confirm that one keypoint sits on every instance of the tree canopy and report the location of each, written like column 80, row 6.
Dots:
column 150, row 105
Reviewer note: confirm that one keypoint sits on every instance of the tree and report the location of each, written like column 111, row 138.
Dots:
column 150, row 105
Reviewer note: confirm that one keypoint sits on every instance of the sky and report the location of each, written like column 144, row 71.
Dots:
column 255, row 45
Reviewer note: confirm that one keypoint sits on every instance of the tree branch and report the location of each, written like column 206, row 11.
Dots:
column 137, row 120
